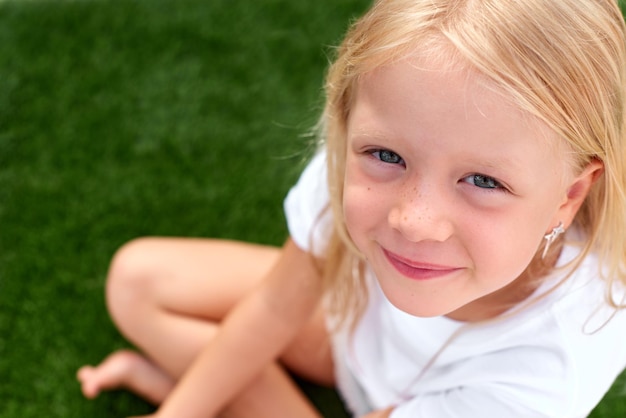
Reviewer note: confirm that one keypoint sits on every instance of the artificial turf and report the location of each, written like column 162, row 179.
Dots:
column 124, row 118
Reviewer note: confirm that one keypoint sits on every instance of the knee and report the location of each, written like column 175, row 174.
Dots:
column 130, row 281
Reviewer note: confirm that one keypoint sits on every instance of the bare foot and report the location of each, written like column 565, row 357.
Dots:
column 128, row 370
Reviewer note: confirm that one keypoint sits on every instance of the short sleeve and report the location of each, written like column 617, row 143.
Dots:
column 492, row 400
column 523, row 381
column 307, row 210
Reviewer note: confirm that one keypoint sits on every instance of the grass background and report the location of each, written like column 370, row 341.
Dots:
column 125, row 118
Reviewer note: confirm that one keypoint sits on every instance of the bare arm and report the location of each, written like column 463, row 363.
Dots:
column 251, row 336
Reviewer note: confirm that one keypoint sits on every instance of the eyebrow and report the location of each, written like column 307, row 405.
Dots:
column 499, row 163
column 363, row 133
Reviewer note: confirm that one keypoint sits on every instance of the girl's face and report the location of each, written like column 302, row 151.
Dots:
column 449, row 189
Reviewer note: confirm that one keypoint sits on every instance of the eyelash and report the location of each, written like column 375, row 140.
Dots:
column 497, row 186
column 377, row 153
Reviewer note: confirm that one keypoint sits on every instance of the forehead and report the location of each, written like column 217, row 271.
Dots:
column 438, row 79
column 445, row 82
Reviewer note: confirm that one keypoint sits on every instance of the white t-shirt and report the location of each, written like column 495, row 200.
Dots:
column 556, row 358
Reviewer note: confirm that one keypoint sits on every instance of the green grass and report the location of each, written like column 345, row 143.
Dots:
column 151, row 117
column 127, row 118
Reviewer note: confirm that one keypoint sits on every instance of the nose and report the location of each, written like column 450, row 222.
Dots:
column 421, row 217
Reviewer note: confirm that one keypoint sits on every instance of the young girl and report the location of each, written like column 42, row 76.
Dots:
column 473, row 260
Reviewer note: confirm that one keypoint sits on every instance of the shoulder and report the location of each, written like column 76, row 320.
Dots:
column 307, row 207
column 591, row 333
column 580, row 303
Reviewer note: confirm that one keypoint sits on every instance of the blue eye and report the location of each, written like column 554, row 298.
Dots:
column 387, row 156
column 483, row 182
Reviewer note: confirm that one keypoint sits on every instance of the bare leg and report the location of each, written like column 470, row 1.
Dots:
column 168, row 297
column 272, row 395
column 159, row 292
column 130, row 370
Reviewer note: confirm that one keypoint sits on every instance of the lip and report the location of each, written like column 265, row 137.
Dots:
column 417, row 270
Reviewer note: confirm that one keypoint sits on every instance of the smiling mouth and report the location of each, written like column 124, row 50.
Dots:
column 418, row 270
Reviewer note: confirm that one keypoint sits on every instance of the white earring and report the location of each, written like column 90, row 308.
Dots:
column 551, row 237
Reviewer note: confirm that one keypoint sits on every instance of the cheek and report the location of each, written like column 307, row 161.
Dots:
column 355, row 205
column 363, row 211
column 502, row 248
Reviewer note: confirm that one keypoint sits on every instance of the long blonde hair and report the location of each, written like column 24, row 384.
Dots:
column 562, row 61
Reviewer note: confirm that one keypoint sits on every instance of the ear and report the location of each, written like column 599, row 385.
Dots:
column 577, row 192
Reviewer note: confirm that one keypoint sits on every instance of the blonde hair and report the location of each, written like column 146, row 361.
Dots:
column 562, row 61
